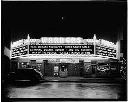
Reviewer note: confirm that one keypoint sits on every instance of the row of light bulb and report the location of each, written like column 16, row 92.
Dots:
column 107, row 43
column 61, row 40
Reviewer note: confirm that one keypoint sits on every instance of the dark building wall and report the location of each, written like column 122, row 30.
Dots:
column 73, row 69
column 48, row 68
column 122, row 39
column 5, row 67
column 13, row 66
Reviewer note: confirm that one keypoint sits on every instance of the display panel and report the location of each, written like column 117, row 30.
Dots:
column 19, row 51
column 105, row 51
column 61, row 49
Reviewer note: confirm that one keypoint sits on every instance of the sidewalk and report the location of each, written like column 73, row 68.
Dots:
column 85, row 80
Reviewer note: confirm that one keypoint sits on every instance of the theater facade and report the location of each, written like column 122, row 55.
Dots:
column 66, row 56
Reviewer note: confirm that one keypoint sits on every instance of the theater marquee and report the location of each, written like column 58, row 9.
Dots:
column 62, row 46
column 61, row 49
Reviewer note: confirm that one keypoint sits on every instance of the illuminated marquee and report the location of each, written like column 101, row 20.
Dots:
column 105, row 51
column 61, row 49
column 105, row 48
column 63, row 45
column 61, row 40
column 19, row 51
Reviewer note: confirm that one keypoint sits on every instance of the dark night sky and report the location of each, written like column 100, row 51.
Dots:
column 82, row 19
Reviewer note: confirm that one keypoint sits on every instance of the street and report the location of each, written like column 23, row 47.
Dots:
column 67, row 90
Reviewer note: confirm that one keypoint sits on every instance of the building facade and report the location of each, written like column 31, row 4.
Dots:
column 66, row 56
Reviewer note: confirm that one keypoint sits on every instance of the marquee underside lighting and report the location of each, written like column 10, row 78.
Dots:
column 66, row 57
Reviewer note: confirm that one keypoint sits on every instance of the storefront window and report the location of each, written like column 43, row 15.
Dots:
column 103, row 67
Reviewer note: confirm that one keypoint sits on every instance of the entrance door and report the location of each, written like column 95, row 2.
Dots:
column 63, row 70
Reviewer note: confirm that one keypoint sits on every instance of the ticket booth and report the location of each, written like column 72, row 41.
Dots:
column 56, row 70
column 63, row 70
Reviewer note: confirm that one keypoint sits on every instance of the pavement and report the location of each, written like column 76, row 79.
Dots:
column 85, row 80
column 67, row 90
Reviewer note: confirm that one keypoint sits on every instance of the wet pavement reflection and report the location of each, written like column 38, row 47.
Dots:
column 67, row 90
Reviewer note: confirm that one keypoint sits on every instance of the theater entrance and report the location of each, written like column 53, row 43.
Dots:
column 63, row 72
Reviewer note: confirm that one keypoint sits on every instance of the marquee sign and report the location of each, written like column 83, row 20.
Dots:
column 19, row 51
column 61, row 49
column 63, row 45
column 105, row 51
column 61, row 40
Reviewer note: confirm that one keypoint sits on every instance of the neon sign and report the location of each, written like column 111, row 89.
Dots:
column 61, row 40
